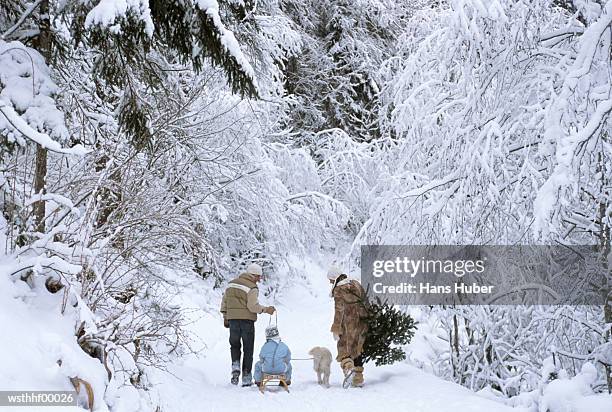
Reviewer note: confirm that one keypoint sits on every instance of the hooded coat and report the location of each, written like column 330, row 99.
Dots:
column 349, row 318
column 274, row 356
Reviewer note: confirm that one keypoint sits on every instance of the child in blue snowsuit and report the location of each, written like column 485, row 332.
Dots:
column 274, row 357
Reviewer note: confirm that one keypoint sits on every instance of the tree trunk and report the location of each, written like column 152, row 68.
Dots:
column 605, row 250
column 40, row 179
column 455, row 350
column 608, row 320
column 43, row 44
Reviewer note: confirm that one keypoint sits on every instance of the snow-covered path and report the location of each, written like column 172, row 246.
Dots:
column 304, row 322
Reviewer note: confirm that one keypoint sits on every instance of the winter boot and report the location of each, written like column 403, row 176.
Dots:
column 358, row 377
column 247, row 379
column 235, row 372
column 348, row 368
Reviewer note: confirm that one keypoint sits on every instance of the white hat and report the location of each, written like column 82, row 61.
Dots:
column 333, row 272
column 254, row 269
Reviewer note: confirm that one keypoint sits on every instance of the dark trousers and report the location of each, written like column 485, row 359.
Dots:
column 358, row 361
column 242, row 330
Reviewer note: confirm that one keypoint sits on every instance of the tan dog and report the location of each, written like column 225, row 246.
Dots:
column 322, row 364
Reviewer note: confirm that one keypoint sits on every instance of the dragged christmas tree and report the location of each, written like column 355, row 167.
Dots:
column 389, row 329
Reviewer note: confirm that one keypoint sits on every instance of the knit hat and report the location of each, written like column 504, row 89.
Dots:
column 254, row 269
column 333, row 272
column 272, row 332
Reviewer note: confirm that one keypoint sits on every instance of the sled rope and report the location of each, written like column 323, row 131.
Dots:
column 275, row 319
column 276, row 322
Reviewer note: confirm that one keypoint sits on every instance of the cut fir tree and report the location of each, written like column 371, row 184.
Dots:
column 389, row 329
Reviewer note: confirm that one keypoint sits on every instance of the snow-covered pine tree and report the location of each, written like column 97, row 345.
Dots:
column 124, row 54
column 334, row 81
column 131, row 45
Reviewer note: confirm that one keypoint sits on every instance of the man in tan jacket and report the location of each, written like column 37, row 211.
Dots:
column 240, row 307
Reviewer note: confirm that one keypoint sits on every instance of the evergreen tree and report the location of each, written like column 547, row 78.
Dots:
column 335, row 79
column 132, row 50
column 135, row 51
column 388, row 329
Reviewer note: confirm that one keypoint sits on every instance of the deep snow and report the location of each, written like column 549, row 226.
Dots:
column 35, row 336
column 304, row 322
column 304, row 319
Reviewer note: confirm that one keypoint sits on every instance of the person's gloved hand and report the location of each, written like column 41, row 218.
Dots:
column 226, row 323
column 269, row 310
column 336, row 332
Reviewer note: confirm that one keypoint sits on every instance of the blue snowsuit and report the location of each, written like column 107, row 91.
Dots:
column 274, row 358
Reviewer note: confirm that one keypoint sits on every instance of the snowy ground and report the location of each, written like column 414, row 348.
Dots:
column 35, row 336
column 304, row 322
column 395, row 387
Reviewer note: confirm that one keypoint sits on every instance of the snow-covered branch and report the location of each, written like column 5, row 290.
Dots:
column 36, row 137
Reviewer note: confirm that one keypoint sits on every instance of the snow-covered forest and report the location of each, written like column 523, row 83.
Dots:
column 151, row 149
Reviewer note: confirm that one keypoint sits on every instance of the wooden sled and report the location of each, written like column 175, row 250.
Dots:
column 267, row 378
